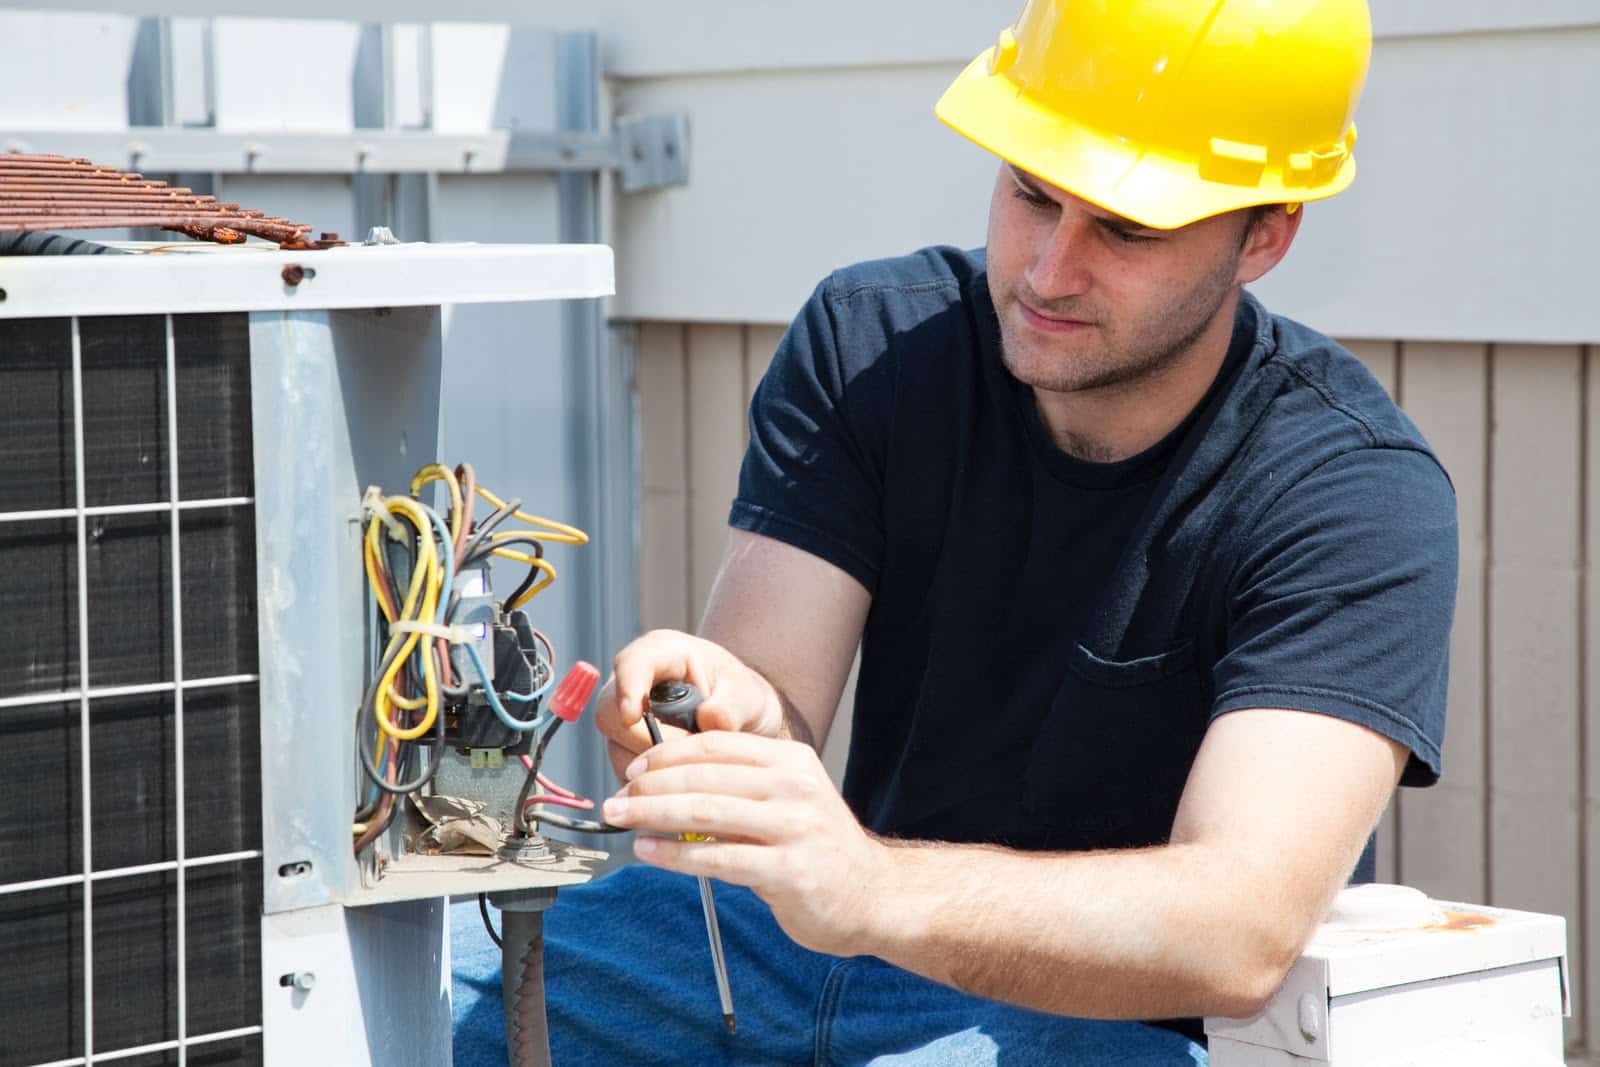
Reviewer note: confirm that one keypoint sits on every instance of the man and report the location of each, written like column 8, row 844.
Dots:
column 1152, row 591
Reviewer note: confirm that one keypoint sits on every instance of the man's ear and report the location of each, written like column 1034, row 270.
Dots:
column 1268, row 240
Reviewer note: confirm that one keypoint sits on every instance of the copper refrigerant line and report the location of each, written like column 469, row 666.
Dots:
column 40, row 192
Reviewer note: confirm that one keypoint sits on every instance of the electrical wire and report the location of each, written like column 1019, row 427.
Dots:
column 493, row 698
column 581, row 803
column 483, row 909
column 412, row 558
column 559, row 531
column 582, row 826
column 520, row 811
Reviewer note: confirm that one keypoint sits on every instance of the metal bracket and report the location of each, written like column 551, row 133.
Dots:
column 654, row 151
column 649, row 152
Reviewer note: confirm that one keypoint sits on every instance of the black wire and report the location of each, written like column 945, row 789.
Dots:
column 483, row 909
column 484, row 551
column 521, row 821
column 582, row 826
column 400, row 789
column 486, row 527
column 362, row 750
column 368, row 810
column 533, row 571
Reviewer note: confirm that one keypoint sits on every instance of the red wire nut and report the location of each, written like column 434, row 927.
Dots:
column 574, row 691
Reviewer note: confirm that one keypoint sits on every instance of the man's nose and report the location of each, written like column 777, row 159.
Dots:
column 1060, row 267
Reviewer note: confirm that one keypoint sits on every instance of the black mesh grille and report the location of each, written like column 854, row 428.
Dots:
column 133, row 737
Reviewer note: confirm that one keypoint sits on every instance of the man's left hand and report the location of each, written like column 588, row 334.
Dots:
column 780, row 827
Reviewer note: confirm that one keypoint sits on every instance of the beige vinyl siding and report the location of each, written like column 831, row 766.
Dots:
column 1510, row 823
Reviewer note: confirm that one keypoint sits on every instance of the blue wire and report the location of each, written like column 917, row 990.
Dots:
column 529, row 698
column 477, row 662
column 493, row 697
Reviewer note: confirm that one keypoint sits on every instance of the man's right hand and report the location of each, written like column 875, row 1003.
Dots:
column 736, row 697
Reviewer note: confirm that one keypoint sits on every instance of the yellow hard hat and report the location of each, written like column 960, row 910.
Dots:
column 1170, row 111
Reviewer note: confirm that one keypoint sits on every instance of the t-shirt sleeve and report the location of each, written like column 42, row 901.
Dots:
column 812, row 476
column 1342, row 601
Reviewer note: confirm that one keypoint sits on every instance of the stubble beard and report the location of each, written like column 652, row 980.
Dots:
column 1115, row 356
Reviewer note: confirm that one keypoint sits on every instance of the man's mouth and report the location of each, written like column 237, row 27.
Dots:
column 1049, row 322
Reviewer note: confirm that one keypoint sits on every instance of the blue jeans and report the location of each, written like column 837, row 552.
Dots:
column 628, row 981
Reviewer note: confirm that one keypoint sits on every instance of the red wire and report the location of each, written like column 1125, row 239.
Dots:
column 558, row 790
column 581, row 803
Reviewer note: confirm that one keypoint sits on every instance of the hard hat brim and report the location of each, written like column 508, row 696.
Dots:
column 1151, row 188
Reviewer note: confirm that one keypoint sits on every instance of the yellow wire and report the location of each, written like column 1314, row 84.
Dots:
column 427, row 580
column 426, row 588
column 372, row 557
column 533, row 561
column 438, row 472
column 560, row 531
column 533, row 590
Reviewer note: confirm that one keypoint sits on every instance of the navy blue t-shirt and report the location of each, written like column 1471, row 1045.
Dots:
column 1049, row 638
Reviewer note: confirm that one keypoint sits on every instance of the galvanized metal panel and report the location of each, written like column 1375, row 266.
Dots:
column 386, row 967
column 672, row 38
column 193, row 97
column 1589, row 987
column 340, row 401
column 506, row 403
column 325, row 201
column 1443, row 829
column 41, row 91
column 491, row 76
column 1534, row 580
column 716, row 446
column 308, row 85
column 251, row 279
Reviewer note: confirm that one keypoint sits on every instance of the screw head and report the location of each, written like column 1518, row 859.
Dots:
column 293, row 274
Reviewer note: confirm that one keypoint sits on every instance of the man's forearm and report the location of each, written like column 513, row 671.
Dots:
column 1144, row 934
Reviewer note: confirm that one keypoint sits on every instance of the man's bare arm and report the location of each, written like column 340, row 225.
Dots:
column 779, row 633
column 793, row 619
column 1275, row 814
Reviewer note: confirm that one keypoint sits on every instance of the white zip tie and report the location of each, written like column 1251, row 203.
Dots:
column 372, row 506
column 456, row 635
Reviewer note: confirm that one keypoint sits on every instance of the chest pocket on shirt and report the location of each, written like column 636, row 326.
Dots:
column 1112, row 755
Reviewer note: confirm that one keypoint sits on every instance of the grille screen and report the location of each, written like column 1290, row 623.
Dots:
column 152, row 947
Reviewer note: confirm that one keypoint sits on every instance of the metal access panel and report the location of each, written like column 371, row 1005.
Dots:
column 182, row 641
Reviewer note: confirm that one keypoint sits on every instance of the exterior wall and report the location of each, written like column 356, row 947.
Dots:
column 1515, row 821
column 1474, row 140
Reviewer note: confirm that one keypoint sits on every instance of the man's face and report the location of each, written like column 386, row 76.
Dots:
column 1088, row 299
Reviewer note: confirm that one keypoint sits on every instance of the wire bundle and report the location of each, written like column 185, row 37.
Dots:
column 413, row 559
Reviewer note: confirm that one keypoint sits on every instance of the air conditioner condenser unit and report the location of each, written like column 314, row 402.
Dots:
column 186, row 439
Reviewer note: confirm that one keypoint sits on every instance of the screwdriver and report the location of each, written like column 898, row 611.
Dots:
column 676, row 703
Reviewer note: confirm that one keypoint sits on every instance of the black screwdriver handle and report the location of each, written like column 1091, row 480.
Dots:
column 676, row 703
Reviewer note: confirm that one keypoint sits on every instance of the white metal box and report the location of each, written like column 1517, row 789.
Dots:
column 1396, row 980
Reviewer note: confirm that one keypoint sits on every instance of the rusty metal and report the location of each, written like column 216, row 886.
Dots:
column 40, row 192
column 293, row 274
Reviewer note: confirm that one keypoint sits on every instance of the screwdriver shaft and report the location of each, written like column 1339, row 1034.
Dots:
column 708, row 904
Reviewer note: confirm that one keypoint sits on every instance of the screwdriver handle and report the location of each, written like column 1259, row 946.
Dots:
column 676, row 703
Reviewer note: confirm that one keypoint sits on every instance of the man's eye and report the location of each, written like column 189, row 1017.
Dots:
column 1032, row 199
column 1128, row 237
